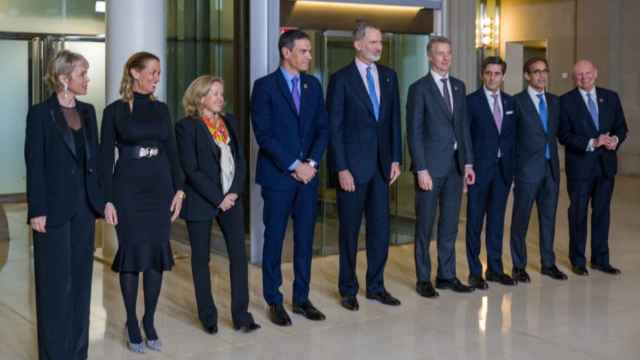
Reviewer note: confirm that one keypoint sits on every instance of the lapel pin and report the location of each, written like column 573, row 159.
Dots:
column 455, row 88
column 388, row 80
column 304, row 85
column 601, row 100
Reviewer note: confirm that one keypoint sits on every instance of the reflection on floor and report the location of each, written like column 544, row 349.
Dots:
column 583, row 318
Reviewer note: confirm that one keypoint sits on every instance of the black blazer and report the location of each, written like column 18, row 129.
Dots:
column 53, row 174
column 358, row 142
column 200, row 158
column 531, row 138
column 576, row 128
column 432, row 131
column 487, row 140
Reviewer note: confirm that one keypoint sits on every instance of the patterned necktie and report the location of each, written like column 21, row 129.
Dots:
column 544, row 118
column 373, row 96
column 497, row 114
column 593, row 110
column 295, row 93
column 446, row 95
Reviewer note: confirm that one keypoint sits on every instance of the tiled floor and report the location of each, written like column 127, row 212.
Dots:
column 596, row 317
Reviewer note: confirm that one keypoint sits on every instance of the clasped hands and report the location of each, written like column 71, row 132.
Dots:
column 609, row 142
column 425, row 182
column 304, row 172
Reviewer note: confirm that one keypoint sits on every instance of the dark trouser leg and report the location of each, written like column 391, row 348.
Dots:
column 495, row 222
column 426, row 205
column 579, row 193
column 450, row 198
column 547, row 203
column 232, row 224
column 477, row 199
column 152, row 282
column 304, row 219
column 52, row 262
column 600, row 218
column 275, row 215
column 129, row 286
column 378, row 233
column 199, row 237
column 350, row 209
column 524, row 195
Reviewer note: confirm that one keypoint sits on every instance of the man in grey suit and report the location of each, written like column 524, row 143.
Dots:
column 537, row 171
column 442, row 160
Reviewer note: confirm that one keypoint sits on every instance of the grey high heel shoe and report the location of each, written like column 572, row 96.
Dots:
column 155, row 345
column 133, row 347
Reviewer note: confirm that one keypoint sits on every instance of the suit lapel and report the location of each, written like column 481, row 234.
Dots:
column 85, row 117
column 530, row 108
column 584, row 110
column 357, row 85
column 435, row 93
column 603, row 107
column 385, row 89
column 61, row 124
column 212, row 144
column 286, row 93
column 488, row 110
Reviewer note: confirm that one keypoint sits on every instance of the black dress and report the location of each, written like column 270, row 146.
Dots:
column 141, row 189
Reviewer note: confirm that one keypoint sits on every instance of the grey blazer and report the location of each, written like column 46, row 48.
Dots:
column 432, row 130
column 531, row 138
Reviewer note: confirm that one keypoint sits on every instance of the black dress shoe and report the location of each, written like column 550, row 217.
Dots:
column 608, row 269
column 248, row 327
column 520, row 275
column 453, row 284
column 278, row 315
column 580, row 270
column 502, row 278
column 477, row 282
column 211, row 329
column 384, row 297
column 309, row 311
column 425, row 289
column 554, row 273
column 350, row 303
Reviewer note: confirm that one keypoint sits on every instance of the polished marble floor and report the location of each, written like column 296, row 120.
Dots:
column 597, row 317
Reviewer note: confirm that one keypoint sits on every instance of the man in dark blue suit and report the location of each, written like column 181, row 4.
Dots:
column 291, row 127
column 592, row 128
column 364, row 114
column 492, row 123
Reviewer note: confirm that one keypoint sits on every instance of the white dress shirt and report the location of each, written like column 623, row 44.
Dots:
column 533, row 94
column 362, row 69
column 438, row 79
column 489, row 94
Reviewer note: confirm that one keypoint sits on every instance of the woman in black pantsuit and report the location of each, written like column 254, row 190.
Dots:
column 214, row 166
column 64, row 199
column 143, row 192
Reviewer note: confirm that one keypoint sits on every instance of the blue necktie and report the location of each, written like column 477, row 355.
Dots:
column 593, row 110
column 295, row 93
column 544, row 117
column 372, row 93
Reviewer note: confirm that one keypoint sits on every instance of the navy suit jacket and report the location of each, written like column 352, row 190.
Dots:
column 576, row 128
column 283, row 135
column 359, row 143
column 487, row 140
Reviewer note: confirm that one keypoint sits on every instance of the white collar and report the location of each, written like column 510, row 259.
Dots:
column 437, row 77
column 584, row 92
column 533, row 92
column 490, row 93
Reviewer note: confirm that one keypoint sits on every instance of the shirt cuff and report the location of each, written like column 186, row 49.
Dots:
column 293, row 166
column 312, row 163
column 590, row 145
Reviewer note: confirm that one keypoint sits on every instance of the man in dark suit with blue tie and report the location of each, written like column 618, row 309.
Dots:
column 366, row 149
column 537, row 175
column 291, row 128
column 592, row 128
column 492, row 124
column 442, row 159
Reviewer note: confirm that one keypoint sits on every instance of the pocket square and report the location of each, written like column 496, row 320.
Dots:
column 509, row 112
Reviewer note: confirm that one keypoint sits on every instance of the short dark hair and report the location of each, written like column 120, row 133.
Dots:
column 494, row 60
column 437, row 40
column 288, row 38
column 527, row 66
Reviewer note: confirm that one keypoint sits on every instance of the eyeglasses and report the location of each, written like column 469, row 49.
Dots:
column 538, row 71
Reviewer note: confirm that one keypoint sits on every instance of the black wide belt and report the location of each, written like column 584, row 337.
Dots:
column 138, row 152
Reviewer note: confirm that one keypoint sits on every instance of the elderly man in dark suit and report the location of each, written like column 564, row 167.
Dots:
column 537, row 170
column 492, row 121
column 442, row 159
column 291, row 127
column 592, row 128
column 366, row 148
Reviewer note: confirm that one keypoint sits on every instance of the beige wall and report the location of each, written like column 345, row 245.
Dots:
column 553, row 21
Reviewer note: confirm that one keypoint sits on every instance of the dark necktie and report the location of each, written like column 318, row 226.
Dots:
column 593, row 110
column 446, row 95
column 295, row 93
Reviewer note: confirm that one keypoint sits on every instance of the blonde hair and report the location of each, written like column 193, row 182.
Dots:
column 137, row 61
column 199, row 88
column 63, row 63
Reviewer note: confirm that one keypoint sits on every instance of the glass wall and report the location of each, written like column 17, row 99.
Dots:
column 51, row 16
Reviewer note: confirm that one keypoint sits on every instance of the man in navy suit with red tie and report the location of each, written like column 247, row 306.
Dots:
column 492, row 124
column 592, row 128
column 291, row 127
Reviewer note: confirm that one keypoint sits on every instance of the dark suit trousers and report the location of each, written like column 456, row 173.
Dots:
column 372, row 199
column 446, row 196
column 487, row 199
column 231, row 223
column 300, row 203
column 545, row 195
column 63, row 261
column 598, row 189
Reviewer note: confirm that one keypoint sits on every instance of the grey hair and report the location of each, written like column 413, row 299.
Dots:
column 361, row 29
column 437, row 39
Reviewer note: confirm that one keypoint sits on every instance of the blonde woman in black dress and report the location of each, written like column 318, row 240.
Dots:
column 143, row 191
